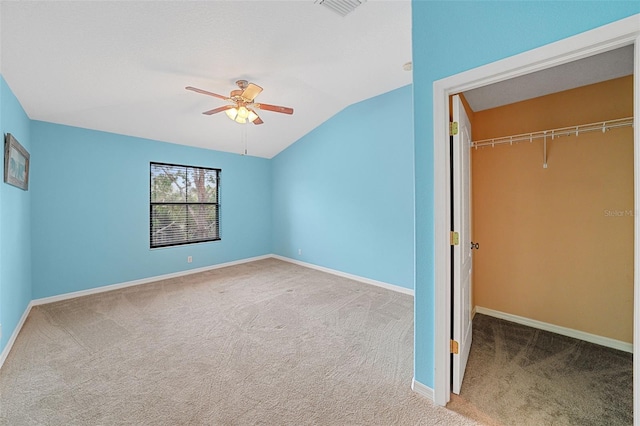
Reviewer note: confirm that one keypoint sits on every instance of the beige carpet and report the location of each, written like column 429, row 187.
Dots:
column 266, row 342
column 518, row 375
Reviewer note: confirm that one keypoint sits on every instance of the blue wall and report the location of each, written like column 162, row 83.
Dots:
column 15, row 221
column 343, row 193
column 90, row 219
column 451, row 37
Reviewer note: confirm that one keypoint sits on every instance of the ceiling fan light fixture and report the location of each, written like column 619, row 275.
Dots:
column 232, row 113
column 243, row 112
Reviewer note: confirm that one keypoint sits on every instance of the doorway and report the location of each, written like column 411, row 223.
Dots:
column 551, row 253
column 618, row 34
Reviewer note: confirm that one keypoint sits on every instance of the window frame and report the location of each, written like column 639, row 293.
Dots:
column 186, row 203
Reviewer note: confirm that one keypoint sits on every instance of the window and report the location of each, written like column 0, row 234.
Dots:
column 184, row 206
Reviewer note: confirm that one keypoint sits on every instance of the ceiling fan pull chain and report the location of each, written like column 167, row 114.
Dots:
column 244, row 138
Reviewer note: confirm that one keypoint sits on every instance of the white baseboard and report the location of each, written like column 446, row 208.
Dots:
column 14, row 335
column 72, row 295
column 576, row 334
column 111, row 287
column 346, row 275
column 421, row 389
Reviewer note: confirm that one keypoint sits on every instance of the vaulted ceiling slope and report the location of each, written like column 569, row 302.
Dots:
column 122, row 67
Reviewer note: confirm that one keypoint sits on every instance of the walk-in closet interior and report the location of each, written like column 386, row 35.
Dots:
column 552, row 209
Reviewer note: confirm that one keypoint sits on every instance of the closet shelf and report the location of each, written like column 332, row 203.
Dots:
column 601, row 126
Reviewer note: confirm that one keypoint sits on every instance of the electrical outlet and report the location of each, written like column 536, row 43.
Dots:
column 189, row 259
column 299, row 251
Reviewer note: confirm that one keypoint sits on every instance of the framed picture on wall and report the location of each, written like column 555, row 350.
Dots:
column 16, row 163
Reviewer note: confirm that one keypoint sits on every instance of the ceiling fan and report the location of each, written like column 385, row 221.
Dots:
column 242, row 108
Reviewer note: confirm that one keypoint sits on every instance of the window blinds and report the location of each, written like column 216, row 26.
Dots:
column 184, row 204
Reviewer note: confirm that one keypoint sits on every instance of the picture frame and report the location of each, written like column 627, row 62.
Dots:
column 16, row 163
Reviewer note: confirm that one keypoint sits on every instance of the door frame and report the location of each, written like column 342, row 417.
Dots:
column 599, row 40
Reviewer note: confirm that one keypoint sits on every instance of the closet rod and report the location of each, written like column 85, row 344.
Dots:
column 563, row 131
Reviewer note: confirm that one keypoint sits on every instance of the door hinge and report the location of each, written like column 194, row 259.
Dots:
column 454, row 347
column 453, row 128
column 454, row 238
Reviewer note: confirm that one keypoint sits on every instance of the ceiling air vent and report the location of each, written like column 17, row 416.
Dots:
column 341, row 7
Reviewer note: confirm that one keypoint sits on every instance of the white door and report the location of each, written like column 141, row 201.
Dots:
column 462, row 252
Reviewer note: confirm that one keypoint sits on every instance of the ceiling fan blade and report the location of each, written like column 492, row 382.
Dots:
column 251, row 92
column 258, row 120
column 217, row 110
column 274, row 108
column 204, row 92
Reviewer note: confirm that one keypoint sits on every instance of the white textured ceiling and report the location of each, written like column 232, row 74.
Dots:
column 122, row 66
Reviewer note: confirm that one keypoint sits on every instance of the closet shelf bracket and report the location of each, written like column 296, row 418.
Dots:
column 544, row 160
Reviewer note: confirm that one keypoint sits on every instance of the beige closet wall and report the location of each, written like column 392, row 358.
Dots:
column 556, row 244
